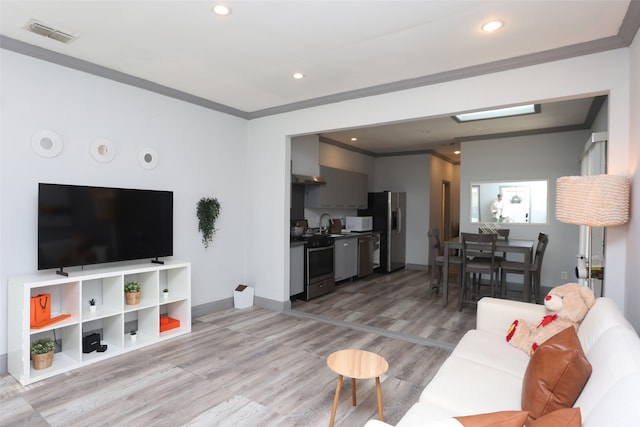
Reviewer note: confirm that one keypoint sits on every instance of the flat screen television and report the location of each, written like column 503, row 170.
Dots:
column 82, row 225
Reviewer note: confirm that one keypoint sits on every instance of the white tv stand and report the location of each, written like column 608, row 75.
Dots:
column 113, row 317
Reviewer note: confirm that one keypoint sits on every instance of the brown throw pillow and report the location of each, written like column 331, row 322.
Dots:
column 556, row 375
column 495, row 419
column 567, row 417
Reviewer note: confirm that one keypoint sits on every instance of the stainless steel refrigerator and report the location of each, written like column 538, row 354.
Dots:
column 388, row 210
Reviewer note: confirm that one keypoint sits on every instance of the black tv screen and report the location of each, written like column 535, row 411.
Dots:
column 81, row 225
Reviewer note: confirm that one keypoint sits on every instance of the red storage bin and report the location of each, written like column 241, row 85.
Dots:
column 168, row 323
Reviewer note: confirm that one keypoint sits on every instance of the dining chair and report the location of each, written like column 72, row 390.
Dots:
column 478, row 257
column 502, row 234
column 535, row 268
column 436, row 260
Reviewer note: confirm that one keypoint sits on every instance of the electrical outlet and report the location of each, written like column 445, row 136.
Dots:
column 564, row 275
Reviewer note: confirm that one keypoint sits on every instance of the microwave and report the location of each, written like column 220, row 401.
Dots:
column 358, row 223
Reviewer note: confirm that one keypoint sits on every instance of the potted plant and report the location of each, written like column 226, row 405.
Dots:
column 92, row 305
column 165, row 293
column 207, row 211
column 133, row 335
column 132, row 292
column 42, row 353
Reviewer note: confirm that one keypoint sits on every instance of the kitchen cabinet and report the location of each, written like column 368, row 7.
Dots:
column 296, row 270
column 343, row 189
column 346, row 258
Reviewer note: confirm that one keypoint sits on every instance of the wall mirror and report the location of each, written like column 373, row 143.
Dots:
column 521, row 202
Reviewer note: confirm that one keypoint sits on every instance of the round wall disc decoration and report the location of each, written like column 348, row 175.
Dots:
column 102, row 150
column 148, row 158
column 46, row 143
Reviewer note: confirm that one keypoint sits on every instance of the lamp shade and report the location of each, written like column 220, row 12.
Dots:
column 596, row 201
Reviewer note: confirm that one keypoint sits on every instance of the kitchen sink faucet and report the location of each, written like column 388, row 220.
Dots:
column 320, row 222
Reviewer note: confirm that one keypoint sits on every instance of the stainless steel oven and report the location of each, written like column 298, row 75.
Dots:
column 319, row 267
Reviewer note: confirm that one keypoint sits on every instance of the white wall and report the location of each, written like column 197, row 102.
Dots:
column 204, row 153
column 632, row 291
column 269, row 151
column 536, row 157
column 201, row 152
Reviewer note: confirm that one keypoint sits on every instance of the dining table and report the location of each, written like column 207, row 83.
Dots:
column 518, row 246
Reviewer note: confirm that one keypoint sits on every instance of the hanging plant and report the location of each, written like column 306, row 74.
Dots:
column 208, row 211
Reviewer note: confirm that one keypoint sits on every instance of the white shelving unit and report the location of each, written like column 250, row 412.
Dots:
column 113, row 317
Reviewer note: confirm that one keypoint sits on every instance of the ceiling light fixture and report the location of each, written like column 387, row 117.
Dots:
column 519, row 110
column 221, row 9
column 354, row 139
column 298, row 76
column 456, row 152
column 492, row 26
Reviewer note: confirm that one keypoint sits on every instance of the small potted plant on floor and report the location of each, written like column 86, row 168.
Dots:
column 92, row 305
column 165, row 293
column 42, row 353
column 132, row 292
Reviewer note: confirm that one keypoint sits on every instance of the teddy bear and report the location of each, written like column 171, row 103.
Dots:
column 566, row 306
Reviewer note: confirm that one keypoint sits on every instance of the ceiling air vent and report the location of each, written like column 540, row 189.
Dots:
column 49, row 32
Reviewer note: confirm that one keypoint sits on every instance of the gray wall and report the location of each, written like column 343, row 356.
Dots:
column 409, row 174
column 547, row 156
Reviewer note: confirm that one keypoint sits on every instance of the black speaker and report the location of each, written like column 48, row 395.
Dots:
column 90, row 343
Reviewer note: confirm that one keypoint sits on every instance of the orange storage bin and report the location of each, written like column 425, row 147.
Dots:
column 168, row 323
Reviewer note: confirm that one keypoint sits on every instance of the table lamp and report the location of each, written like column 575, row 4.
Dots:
column 593, row 201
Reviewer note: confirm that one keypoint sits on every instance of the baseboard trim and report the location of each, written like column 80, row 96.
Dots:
column 4, row 364
column 421, row 267
column 224, row 304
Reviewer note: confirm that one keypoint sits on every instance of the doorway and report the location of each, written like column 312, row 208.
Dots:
column 445, row 216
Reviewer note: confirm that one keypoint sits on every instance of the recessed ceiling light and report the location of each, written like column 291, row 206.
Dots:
column 456, row 152
column 498, row 113
column 354, row 139
column 221, row 9
column 492, row 26
column 298, row 76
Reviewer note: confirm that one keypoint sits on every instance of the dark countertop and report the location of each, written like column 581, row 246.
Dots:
column 294, row 243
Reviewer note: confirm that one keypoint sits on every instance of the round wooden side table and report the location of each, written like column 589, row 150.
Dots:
column 356, row 364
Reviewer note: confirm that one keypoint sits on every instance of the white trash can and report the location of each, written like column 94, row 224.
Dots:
column 243, row 296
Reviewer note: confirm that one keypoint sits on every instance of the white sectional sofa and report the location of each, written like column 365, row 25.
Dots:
column 484, row 373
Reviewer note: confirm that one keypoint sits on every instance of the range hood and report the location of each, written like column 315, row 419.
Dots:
column 306, row 179
column 305, row 165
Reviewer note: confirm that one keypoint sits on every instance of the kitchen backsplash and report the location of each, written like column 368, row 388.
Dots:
column 313, row 215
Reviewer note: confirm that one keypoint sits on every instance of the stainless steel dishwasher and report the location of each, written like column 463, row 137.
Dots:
column 365, row 255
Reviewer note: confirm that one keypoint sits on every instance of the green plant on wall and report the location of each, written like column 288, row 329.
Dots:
column 207, row 211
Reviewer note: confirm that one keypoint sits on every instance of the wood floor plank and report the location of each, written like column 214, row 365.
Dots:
column 256, row 367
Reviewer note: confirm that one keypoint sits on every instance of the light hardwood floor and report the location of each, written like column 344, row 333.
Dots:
column 255, row 367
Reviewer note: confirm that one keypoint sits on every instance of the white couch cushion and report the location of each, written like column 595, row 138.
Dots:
column 492, row 350
column 603, row 315
column 619, row 406
column 422, row 413
column 465, row 387
column 615, row 356
column 496, row 315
